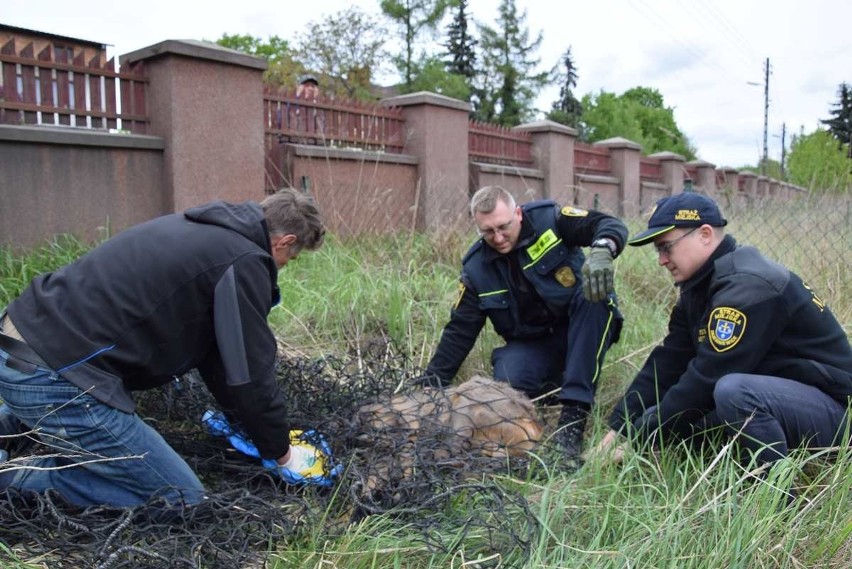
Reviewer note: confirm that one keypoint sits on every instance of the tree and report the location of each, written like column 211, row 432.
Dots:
column 431, row 74
column 508, row 83
column 817, row 162
column 567, row 109
column 283, row 68
column 273, row 50
column 640, row 115
column 771, row 169
column 346, row 48
column 840, row 125
column 461, row 44
column 413, row 16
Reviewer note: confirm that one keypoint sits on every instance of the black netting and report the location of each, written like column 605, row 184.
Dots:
column 424, row 456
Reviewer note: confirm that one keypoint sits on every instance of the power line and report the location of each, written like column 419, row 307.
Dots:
column 745, row 49
column 655, row 18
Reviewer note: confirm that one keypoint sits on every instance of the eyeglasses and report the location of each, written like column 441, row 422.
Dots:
column 667, row 247
column 501, row 229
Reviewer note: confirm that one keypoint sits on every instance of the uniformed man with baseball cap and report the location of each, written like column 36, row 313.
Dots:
column 751, row 348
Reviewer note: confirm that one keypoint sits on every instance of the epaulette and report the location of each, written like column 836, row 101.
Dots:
column 535, row 204
column 473, row 249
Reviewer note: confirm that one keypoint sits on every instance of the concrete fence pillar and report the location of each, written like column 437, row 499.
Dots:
column 732, row 179
column 437, row 134
column 553, row 152
column 672, row 170
column 705, row 176
column 749, row 184
column 206, row 102
column 762, row 186
column 624, row 158
column 774, row 188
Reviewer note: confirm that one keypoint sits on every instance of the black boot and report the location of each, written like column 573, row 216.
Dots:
column 572, row 425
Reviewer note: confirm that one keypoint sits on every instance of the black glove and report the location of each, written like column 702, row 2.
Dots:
column 597, row 274
column 430, row 380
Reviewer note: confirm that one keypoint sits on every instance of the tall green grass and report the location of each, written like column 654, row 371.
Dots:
column 17, row 268
column 679, row 508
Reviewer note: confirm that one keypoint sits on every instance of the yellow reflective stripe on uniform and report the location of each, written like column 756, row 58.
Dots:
column 545, row 243
column 603, row 343
column 492, row 293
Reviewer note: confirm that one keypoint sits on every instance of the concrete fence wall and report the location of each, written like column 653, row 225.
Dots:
column 85, row 183
column 207, row 142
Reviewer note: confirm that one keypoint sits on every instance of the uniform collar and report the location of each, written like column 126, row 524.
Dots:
column 727, row 245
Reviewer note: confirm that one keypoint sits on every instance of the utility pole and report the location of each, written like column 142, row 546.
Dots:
column 765, row 118
column 783, row 150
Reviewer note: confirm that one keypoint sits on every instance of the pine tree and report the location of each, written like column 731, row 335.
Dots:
column 461, row 44
column 567, row 109
column 413, row 16
column 508, row 83
column 840, row 125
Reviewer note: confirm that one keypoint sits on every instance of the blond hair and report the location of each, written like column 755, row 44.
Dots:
column 485, row 199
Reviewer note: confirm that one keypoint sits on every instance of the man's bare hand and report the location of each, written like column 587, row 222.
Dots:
column 610, row 450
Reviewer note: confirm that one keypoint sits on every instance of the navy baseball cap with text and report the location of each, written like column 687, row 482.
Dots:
column 686, row 209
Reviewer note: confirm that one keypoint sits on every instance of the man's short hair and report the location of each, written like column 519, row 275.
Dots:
column 485, row 199
column 289, row 212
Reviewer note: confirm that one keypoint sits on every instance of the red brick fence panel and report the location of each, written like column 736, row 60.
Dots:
column 591, row 160
column 48, row 89
column 495, row 144
column 650, row 170
column 324, row 121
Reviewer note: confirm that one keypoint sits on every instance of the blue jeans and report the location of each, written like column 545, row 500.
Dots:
column 569, row 359
column 99, row 455
column 771, row 416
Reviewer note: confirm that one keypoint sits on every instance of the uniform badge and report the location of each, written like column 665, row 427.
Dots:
column 565, row 277
column 460, row 295
column 574, row 212
column 725, row 328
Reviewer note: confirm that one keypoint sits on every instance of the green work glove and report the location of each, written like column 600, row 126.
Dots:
column 597, row 274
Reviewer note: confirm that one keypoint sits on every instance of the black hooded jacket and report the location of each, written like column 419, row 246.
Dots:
column 181, row 291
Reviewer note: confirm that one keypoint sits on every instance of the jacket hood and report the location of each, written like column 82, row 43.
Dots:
column 245, row 218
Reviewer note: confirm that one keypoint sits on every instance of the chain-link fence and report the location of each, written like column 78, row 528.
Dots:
column 811, row 235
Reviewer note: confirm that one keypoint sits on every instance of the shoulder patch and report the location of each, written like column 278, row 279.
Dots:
column 459, row 295
column 725, row 327
column 570, row 211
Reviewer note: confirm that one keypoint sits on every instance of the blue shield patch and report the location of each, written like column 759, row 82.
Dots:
column 725, row 327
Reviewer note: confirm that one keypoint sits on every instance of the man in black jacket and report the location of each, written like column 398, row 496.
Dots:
column 557, row 314
column 750, row 346
column 183, row 291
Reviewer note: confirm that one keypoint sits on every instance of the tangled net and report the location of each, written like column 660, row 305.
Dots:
column 417, row 473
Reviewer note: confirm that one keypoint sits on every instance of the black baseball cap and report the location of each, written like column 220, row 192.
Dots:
column 687, row 209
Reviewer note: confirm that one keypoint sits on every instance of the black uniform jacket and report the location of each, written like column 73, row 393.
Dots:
column 740, row 313
column 182, row 291
column 524, row 292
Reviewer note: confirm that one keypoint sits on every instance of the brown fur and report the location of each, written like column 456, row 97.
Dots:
column 480, row 415
column 487, row 416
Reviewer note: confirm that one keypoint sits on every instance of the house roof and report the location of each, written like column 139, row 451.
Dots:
column 49, row 36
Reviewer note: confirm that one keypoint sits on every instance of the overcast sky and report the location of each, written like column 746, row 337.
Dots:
column 705, row 56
